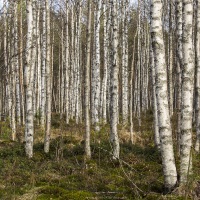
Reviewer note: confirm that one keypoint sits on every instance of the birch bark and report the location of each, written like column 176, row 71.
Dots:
column 87, row 85
column 124, row 62
column 12, row 71
column 29, row 129
column 43, row 67
column 67, row 63
column 105, row 75
column 187, row 92
column 179, row 35
column 131, row 91
column 48, row 82
column 96, row 74
column 21, row 73
column 197, row 46
column 114, row 83
column 155, row 107
column 165, row 132
column 16, row 63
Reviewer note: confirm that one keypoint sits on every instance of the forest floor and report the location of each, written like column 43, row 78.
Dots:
column 64, row 174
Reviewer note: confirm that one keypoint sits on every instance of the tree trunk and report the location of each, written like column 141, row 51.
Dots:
column 187, row 92
column 96, row 71
column 179, row 66
column 124, row 62
column 43, row 69
column 165, row 132
column 197, row 46
column 48, row 82
column 87, row 85
column 114, row 83
column 155, row 107
column 29, row 129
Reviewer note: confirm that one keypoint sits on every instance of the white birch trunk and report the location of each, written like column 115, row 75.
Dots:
column 114, row 83
column 13, row 67
column 87, row 85
column 39, row 90
column 197, row 46
column 7, row 67
column 48, row 82
column 78, row 66
column 165, row 132
column 155, row 107
column 21, row 76
column 18, row 96
column 138, row 86
column 131, row 92
column 67, row 63
column 105, row 74
column 124, row 62
column 109, row 30
column 29, row 129
column 179, row 34
column 62, row 78
column 43, row 69
column 96, row 75
column 187, row 92
column 170, row 59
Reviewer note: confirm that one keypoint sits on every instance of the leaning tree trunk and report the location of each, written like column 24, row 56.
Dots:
column 114, row 83
column 168, row 161
column 187, row 92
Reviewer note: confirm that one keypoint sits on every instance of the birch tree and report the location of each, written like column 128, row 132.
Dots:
column 21, row 71
column 187, row 92
column 67, row 63
column 114, row 83
column 125, row 61
column 8, row 104
column 43, row 67
column 16, row 63
column 96, row 68
column 170, row 58
column 131, row 91
column 179, row 48
column 29, row 74
column 197, row 50
column 138, row 79
column 87, row 85
column 155, row 108
column 165, row 132
column 48, row 82
column 12, row 63
column 105, row 74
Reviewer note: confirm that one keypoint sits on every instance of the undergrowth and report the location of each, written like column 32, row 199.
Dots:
column 65, row 174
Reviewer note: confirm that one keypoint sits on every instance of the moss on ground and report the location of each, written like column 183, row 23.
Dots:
column 64, row 173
